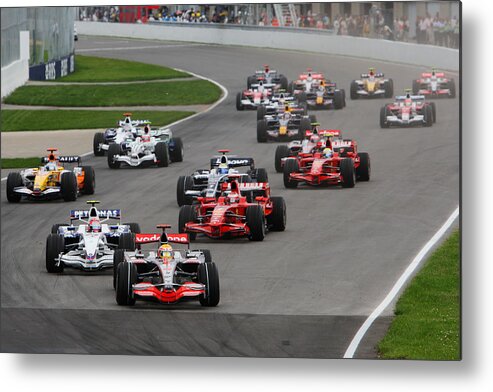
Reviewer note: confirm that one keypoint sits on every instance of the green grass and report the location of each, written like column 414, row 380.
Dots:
column 42, row 120
column 97, row 69
column 427, row 321
column 20, row 163
column 140, row 94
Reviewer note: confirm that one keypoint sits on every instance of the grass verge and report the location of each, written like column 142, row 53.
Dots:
column 20, row 163
column 427, row 321
column 98, row 69
column 140, row 94
column 42, row 120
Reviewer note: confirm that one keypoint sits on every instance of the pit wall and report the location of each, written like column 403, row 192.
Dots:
column 308, row 40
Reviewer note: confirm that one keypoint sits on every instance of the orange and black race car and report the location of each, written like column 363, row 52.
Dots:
column 51, row 180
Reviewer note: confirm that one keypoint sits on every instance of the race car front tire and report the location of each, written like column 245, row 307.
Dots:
column 260, row 175
column 126, row 241
column 89, row 180
column 251, row 80
column 126, row 277
column 239, row 105
column 118, row 257
column 389, row 89
column 162, row 154
column 56, row 226
column 364, row 169
column 383, row 118
column 283, row 82
column 176, row 155
column 343, row 97
column 313, row 118
column 290, row 166
column 97, row 141
column 184, row 184
column 68, row 186
column 353, row 91
column 428, row 116
column 134, row 227
column 14, row 180
column 338, row 100
column 114, row 149
column 451, row 86
column 55, row 245
column 255, row 221
column 207, row 255
column 261, row 111
column 416, row 86
column 188, row 214
column 208, row 275
column 305, row 125
column 433, row 111
column 348, row 174
column 282, row 151
column 262, row 131
column 277, row 218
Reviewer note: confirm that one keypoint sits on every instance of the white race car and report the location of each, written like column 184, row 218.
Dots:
column 90, row 245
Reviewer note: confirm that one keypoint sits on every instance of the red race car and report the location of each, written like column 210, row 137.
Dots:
column 434, row 84
column 339, row 162
column 167, row 275
column 242, row 210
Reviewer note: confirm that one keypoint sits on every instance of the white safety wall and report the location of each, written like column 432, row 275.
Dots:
column 17, row 73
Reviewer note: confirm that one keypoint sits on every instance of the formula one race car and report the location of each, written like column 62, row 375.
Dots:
column 315, row 140
column 203, row 181
column 268, row 76
column 167, row 275
column 278, row 104
column 434, row 84
column 287, row 125
column 325, row 96
column 152, row 146
column 259, row 94
column 372, row 84
column 51, row 180
column 408, row 110
column 338, row 163
column 306, row 81
column 243, row 210
column 90, row 245
column 127, row 128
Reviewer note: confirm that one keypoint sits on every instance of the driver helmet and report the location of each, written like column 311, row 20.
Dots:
column 327, row 152
column 286, row 115
column 50, row 166
column 309, row 77
column 223, row 168
column 94, row 226
column 165, row 252
column 266, row 69
column 371, row 73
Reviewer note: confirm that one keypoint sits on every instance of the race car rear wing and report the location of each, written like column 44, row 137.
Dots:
column 63, row 159
column 377, row 75
column 413, row 97
column 429, row 75
column 84, row 214
column 325, row 132
column 149, row 238
column 234, row 162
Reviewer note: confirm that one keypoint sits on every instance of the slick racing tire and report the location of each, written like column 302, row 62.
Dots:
column 261, row 112
column 126, row 241
column 283, row 81
column 126, row 277
column 255, row 221
column 262, row 131
column 348, row 174
column 277, row 219
column 383, row 118
column 433, row 111
column 162, row 154
column 290, row 166
column 89, row 180
column 251, row 80
column 208, row 275
column 55, row 245
column 301, row 97
column 305, row 125
column 428, row 116
column 188, row 214
column 14, row 180
column 353, row 90
column 239, row 105
column 68, row 186
column 363, row 171
column 291, row 88
column 97, row 141
column 176, row 155
column 389, row 89
column 114, row 149
column 184, row 184
column 416, row 86
column 207, row 255
column 338, row 100
column 134, row 227
column 313, row 118
column 56, row 226
column 451, row 86
column 118, row 257
column 282, row 151
column 260, row 175
column 343, row 97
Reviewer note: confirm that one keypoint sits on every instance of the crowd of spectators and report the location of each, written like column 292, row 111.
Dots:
column 438, row 31
column 99, row 14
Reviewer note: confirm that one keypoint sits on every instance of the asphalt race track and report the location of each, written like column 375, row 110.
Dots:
column 303, row 292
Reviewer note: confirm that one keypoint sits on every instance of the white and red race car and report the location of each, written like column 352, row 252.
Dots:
column 434, row 84
column 408, row 110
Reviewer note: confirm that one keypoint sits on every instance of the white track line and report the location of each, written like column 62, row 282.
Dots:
column 353, row 346
column 137, row 47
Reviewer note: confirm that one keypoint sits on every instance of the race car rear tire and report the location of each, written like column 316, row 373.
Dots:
column 313, row 118
column 55, row 244
column 343, row 97
column 428, row 112
column 207, row 255
column 260, row 175
column 188, row 214
column 389, row 89
column 290, row 166
column 348, row 174
column 177, row 154
column 162, row 154
column 126, row 241
column 301, row 97
column 208, row 275
column 364, row 169
column 96, row 143
column 291, row 88
column 251, row 80
column 14, row 180
column 416, row 86
column 184, row 184
column 118, row 257
column 451, row 86
column 134, row 227
column 353, row 90
column 68, row 186
column 283, row 82
column 262, row 131
column 338, row 100
column 383, row 118
column 239, row 105
column 56, row 226
column 434, row 111
column 126, row 276
column 305, row 125
column 282, row 151
column 261, row 112
column 89, row 180
column 255, row 221
column 114, row 149
column 277, row 218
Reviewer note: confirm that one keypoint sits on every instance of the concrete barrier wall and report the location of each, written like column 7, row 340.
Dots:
column 17, row 73
column 282, row 38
